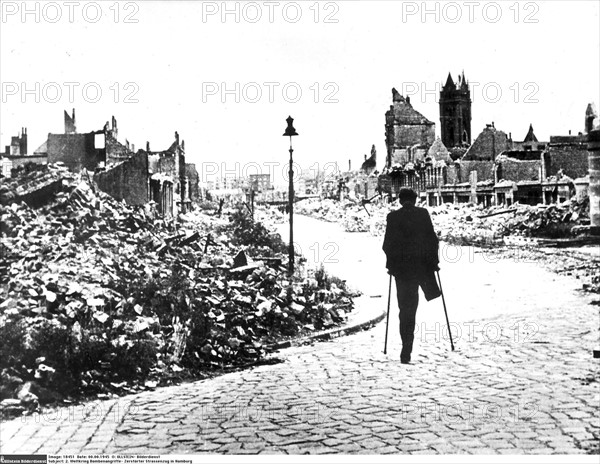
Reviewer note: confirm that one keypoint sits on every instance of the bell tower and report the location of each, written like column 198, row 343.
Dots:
column 455, row 112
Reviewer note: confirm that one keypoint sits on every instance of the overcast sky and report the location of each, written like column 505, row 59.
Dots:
column 528, row 62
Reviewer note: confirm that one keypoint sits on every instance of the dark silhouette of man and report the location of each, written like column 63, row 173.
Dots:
column 411, row 248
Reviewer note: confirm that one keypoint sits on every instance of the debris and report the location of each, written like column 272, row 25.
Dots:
column 240, row 259
column 116, row 298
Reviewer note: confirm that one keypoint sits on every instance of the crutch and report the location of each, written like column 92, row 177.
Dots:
column 387, row 322
column 445, row 311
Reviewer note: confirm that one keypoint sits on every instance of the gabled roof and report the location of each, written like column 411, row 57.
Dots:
column 488, row 144
column 438, row 151
column 369, row 163
column 42, row 149
column 404, row 113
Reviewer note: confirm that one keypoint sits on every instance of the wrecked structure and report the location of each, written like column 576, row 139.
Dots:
column 494, row 169
column 16, row 155
column 158, row 176
column 408, row 133
column 135, row 177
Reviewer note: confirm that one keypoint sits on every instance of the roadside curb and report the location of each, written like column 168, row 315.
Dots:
column 330, row 334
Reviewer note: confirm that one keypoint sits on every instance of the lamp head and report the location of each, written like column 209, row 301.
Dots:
column 290, row 131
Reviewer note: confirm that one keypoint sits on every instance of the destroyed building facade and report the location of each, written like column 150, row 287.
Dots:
column 158, row 176
column 493, row 169
column 135, row 177
column 16, row 155
column 91, row 150
column 408, row 133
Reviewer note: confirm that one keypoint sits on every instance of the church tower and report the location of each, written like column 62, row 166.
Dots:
column 455, row 112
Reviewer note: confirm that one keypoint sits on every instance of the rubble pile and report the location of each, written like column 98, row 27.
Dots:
column 327, row 209
column 271, row 216
column 524, row 228
column 474, row 225
column 353, row 216
column 464, row 224
column 99, row 297
column 356, row 220
column 550, row 221
column 34, row 183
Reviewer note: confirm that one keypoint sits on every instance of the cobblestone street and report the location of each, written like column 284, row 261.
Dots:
column 521, row 381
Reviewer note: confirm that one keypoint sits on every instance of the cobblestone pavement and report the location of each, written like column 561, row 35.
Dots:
column 521, row 381
column 521, row 391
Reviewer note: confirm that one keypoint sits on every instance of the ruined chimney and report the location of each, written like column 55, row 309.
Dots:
column 590, row 116
column 569, row 131
column 147, row 146
column 408, row 99
column 23, row 141
column 349, row 165
column 133, row 147
column 70, row 127
column 177, row 137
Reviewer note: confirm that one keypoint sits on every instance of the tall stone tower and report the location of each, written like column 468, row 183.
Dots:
column 455, row 112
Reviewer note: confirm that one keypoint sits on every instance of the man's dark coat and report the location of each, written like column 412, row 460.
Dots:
column 411, row 245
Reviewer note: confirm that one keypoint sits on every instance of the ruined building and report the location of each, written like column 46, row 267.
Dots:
column 408, row 134
column 488, row 144
column 18, row 144
column 16, row 154
column 370, row 164
column 91, row 150
column 493, row 169
column 163, row 177
column 135, row 177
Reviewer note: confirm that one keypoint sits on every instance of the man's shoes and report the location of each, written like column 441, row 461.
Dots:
column 405, row 353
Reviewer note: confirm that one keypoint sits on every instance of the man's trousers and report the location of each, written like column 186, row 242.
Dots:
column 408, row 300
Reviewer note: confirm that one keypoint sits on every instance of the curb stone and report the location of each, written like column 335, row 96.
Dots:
column 330, row 334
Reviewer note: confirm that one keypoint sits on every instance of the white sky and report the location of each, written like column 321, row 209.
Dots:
column 172, row 53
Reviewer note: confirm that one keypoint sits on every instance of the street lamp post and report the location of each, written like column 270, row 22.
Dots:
column 291, row 132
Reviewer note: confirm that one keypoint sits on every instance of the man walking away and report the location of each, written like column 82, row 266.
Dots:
column 411, row 248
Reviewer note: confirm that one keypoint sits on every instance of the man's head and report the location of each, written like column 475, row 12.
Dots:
column 407, row 196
